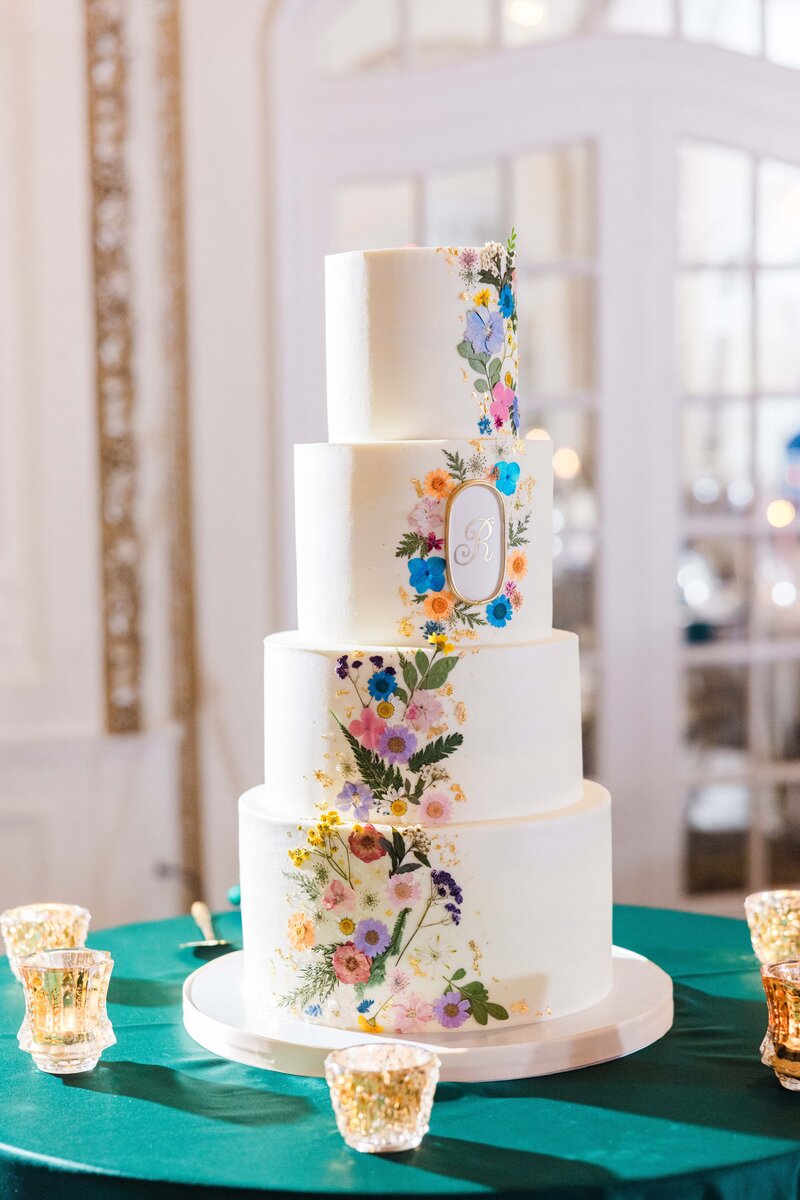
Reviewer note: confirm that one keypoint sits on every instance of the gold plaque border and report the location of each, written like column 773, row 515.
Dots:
column 469, row 483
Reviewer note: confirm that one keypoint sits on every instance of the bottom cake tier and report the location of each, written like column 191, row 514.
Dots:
column 410, row 930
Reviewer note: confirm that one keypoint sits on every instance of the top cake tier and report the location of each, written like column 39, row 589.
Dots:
column 422, row 343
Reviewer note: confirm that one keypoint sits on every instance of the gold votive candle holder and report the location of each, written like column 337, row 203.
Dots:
column 66, row 1027
column 34, row 927
column 774, row 920
column 780, row 1048
column 382, row 1094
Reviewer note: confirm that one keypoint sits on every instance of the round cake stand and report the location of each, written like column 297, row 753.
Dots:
column 636, row 1012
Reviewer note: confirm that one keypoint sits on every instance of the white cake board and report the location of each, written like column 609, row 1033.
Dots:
column 636, row 1012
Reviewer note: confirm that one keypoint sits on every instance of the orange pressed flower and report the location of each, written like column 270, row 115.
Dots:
column 518, row 564
column 438, row 483
column 439, row 605
column 301, row 931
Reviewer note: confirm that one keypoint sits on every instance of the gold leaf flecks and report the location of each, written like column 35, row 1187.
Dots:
column 342, row 692
column 405, row 628
column 420, row 490
column 519, row 1006
column 459, row 794
column 437, row 731
column 348, row 712
column 324, row 779
column 476, row 957
column 464, row 375
column 404, row 596
column 461, row 712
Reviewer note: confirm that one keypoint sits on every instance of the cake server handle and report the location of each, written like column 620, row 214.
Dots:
column 202, row 916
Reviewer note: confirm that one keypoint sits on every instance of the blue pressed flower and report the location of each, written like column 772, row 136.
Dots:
column 365, row 1006
column 506, row 477
column 485, row 425
column 426, row 574
column 431, row 628
column 484, row 330
column 381, row 685
column 499, row 611
column 506, row 301
column 314, row 1010
column 515, row 415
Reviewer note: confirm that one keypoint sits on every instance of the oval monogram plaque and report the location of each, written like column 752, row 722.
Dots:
column 475, row 540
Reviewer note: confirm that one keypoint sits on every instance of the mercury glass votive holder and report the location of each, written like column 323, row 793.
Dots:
column 66, row 1027
column 33, row 927
column 774, row 920
column 382, row 1094
column 780, row 1048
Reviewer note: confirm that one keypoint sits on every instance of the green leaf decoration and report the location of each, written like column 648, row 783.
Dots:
column 399, row 844
column 387, row 845
column 459, row 974
column 497, row 1011
column 465, row 349
column 409, row 674
column 435, row 752
column 438, row 673
column 411, row 544
column 518, row 532
column 481, row 385
column 456, row 465
column 479, row 1012
column 406, row 867
column 378, row 970
column 379, row 776
column 421, row 660
column 401, row 694
column 477, row 365
column 494, row 368
column 423, row 858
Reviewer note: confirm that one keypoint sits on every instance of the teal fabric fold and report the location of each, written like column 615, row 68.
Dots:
column 694, row 1117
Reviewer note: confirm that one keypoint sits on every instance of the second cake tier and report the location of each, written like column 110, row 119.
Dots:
column 398, row 540
column 428, row 736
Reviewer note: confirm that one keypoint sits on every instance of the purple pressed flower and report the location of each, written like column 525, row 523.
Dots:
column 484, row 330
column 371, row 937
column 377, row 660
column 468, row 258
column 390, row 670
column 341, row 667
column 455, row 913
column 451, row 1010
column 397, row 744
column 357, row 663
column 356, row 796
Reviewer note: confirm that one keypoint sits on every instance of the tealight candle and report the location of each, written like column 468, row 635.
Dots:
column 382, row 1094
column 780, row 1048
column 66, row 1027
column 33, row 927
column 774, row 920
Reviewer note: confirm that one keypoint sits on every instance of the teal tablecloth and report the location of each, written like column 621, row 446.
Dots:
column 695, row 1116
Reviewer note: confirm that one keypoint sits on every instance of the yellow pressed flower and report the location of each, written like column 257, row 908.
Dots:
column 398, row 807
column 509, row 379
column 299, row 856
column 314, row 837
column 368, row 1026
column 385, row 710
column 347, row 926
column 332, row 817
column 357, row 828
column 482, row 298
column 440, row 640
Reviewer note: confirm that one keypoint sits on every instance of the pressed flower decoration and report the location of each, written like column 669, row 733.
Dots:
column 425, row 592
column 489, row 344
column 368, row 903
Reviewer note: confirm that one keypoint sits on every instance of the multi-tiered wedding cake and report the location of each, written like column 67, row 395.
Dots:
column 424, row 856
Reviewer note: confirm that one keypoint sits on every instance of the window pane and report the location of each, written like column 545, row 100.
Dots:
column 714, row 330
column 449, row 28
column 374, row 215
column 716, row 457
column 735, row 24
column 779, row 212
column 714, row 588
column 553, row 203
column 783, row 32
column 778, row 587
column 462, row 208
column 718, row 816
column 778, row 326
column 716, row 209
column 526, row 21
column 783, row 716
column 639, row 16
column 362, row 35
column 778, row 451
column 782, row 813
column 556, row 329
column 716, row 719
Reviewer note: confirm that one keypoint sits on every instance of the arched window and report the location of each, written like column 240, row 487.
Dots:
column 648, row 153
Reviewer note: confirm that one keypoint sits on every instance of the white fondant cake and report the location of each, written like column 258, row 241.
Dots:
column 424, row 853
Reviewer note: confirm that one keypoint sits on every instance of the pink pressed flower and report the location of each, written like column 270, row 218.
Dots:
column 367, row 728
column 436, row 808
column 411, row 1014
column 516, row 599
column 502, row 403
column 403, row 890
column 427, row 517
column 424, row 711
column 336, row 894
column 398, row 980
column 350, row 965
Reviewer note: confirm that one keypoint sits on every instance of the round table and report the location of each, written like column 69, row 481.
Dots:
column 695, row 1115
